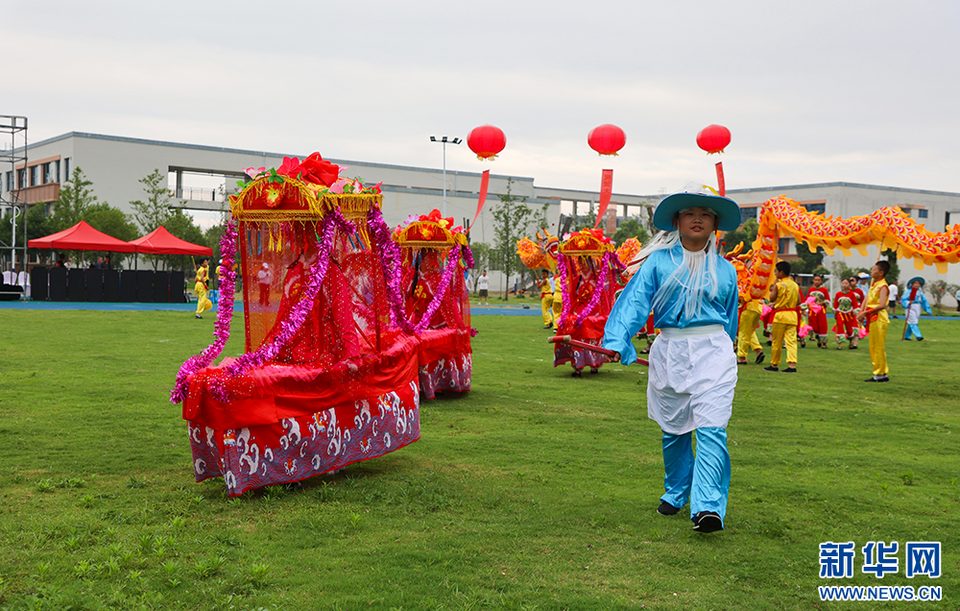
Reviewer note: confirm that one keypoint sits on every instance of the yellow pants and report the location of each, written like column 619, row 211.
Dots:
column 783, row 333
column 203, row 303
column 557, row 309
column 878, row 347
column 546, row 306
column 747, row 335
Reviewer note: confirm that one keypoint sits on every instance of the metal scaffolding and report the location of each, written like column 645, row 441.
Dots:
column 11, row 195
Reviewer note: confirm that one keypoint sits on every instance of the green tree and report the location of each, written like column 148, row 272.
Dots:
column 511, row 218
column 39, row 224
column 76, row 196
column 156, row 209
column 938, row 289
column 113, row 222
column 807, row 262
column 181, row 225
column 746, row 233
column 631, row 228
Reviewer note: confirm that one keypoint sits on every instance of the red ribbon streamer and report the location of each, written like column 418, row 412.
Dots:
column 722, row 187
column 484, row 183
column 606, row 189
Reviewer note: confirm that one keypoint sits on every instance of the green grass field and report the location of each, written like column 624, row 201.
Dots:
column 533, row 491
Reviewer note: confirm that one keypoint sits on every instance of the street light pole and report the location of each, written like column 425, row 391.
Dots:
column 443, row 140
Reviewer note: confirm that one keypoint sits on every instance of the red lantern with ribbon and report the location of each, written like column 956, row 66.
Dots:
column 486, row 141
column 606, row 139
column 713, row 139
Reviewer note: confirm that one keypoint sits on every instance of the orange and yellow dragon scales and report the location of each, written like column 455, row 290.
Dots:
column 887, row 228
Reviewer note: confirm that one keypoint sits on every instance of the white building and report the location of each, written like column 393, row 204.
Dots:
column 201, row 176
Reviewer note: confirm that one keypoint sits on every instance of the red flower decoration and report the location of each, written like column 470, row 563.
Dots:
column 313, row 169
column 317, row 170
column 289, row 164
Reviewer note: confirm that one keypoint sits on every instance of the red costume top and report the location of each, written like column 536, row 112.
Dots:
column 822, row 290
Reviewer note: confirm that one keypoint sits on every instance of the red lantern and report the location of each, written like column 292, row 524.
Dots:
column 486, row 141
column 713, row 138
column 606, row 139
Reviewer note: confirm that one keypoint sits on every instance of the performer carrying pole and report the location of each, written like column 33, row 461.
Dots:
column 693, row 371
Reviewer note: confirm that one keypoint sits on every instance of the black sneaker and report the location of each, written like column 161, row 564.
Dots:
column 871, row 380
column 771, row 368
column 666, row 509
column 790, row 370
column 853, row 347
column 908, row 339
column 760, row 357
column 198, row 317
column 883, row 378
column 707, row 522
column 919, row 339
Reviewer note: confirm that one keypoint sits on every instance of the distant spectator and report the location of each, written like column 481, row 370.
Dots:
column 892, row 304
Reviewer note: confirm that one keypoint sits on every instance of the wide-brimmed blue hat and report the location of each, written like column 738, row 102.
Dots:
column 728, row 212
column 914, row 279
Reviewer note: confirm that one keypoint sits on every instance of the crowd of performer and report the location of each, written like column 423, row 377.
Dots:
column 860, row 309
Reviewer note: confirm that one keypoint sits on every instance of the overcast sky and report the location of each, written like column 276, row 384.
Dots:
column 812, row 91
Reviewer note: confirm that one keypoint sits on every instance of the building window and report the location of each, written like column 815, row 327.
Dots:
column 921, row 213
column 56, row 171
column 21, row 178
column 34, row 176
column 46, row 168
column 783, row 247
column 10, row 181
column 66, row 169
column 747, row 214
column 821, row 208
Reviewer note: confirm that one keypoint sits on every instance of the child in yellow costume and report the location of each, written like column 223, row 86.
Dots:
column 785, row 296
column 874, row 314
column 747, row 335
column 546, row 299
column 202, row 282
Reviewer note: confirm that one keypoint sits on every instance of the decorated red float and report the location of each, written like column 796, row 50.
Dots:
column 589, row 273
column 330, row 372
column 435, row 256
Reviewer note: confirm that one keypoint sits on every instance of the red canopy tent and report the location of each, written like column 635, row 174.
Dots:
column 162, row 242
column 82, row 237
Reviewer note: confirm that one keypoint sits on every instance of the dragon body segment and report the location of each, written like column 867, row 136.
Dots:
column 887, row 228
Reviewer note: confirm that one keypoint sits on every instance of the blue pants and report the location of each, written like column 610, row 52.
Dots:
column 913, row 329
column 704, row 480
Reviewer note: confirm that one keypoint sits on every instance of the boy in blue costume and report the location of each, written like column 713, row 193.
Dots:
column 693, row 371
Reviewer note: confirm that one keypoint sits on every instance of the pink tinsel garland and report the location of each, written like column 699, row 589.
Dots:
column 390, row 262
column 291, row 325
column 228, row 276
column 452, row 262
column 602, row 279
column 609, row 260
column 564, row 289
